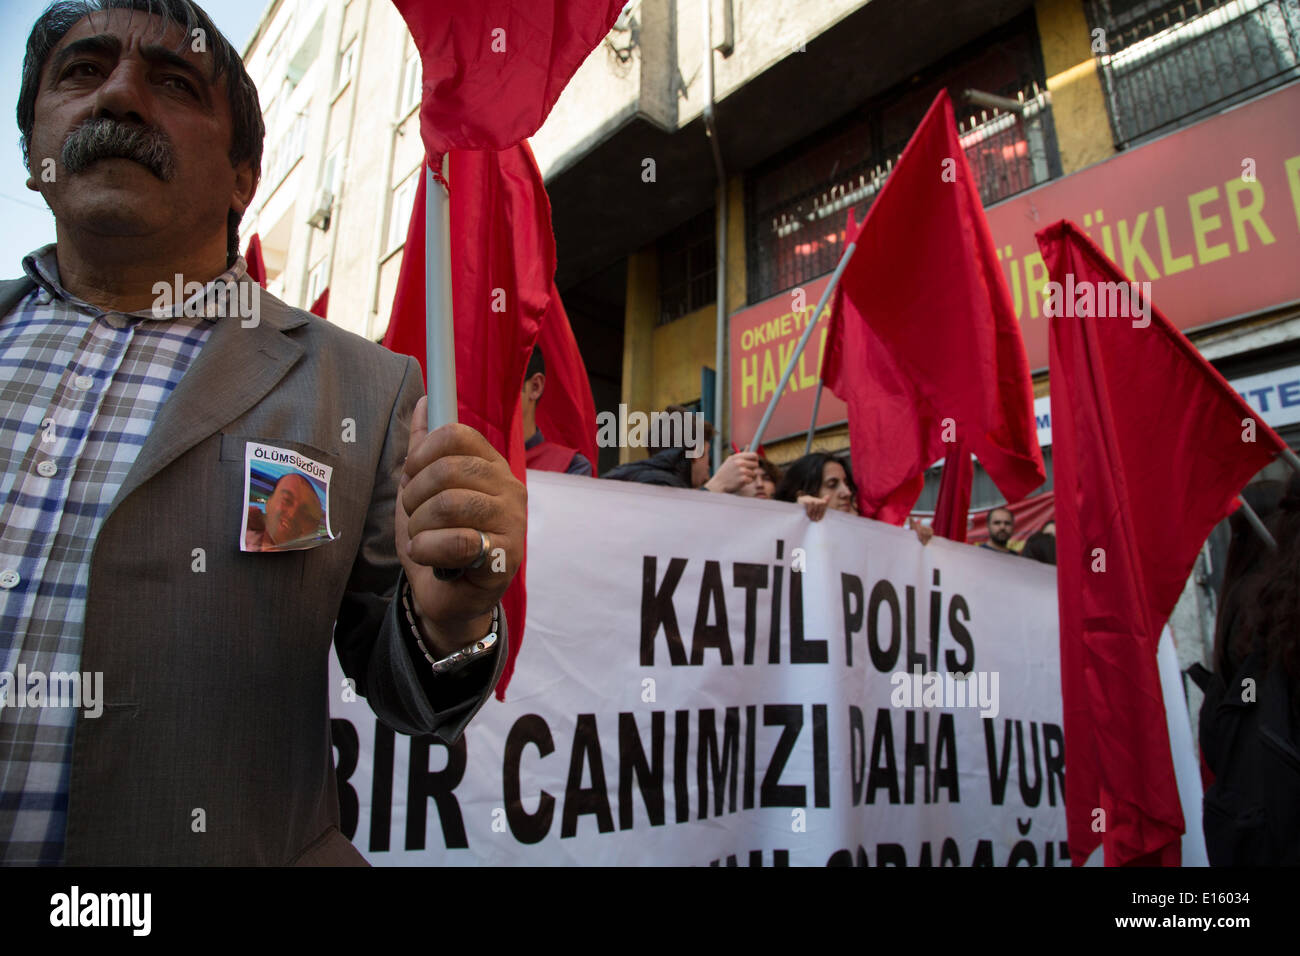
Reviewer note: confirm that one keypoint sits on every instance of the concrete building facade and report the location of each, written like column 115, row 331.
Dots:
column 340, row 89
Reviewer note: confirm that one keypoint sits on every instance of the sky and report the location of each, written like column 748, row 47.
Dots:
column 25, row 222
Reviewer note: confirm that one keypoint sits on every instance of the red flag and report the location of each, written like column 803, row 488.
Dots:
column 494, row 68
column 883, row 414
column 253, row 258
column 951, row 512
column 321, row 305
column 930, row 295
column 567, row 411
column 1150, row 449
column 503, row 264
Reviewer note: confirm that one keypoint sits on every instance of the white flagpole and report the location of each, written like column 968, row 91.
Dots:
column 439, row 327
column 803, row 341
column 439, row 322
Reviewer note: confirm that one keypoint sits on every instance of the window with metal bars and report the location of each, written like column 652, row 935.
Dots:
column 688, row 263
column 797, row 203
column 1168, row 64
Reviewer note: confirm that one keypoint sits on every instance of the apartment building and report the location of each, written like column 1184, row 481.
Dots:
column 340, row 90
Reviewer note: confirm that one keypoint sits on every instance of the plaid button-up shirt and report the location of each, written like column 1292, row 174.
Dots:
column 80, row 389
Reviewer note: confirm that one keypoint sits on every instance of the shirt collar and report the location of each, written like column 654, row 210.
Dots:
column 533, row 442
column 42, row 267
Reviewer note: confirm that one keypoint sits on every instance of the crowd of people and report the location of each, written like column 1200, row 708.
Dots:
column 1250, row 721
column 820, row 482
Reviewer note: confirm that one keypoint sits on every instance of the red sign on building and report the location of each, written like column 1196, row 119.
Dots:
column 1210, row 215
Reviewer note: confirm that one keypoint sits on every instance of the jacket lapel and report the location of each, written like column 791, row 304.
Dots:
column 12, row 292
column 234, row 370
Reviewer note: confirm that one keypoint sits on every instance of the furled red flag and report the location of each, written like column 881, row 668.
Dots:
column 321, row 305
column 951, row 513
column 924, row 330
column 1150, row 449
column 567, row 411
column 503, row 264
column 494, row 68
column 253, row 258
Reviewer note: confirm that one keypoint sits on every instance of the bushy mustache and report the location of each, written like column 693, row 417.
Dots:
column 106, row 138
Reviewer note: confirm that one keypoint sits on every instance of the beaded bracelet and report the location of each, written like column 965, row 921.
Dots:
column 458, row 659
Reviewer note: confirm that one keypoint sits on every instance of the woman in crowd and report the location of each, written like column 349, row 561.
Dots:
column 819, row 482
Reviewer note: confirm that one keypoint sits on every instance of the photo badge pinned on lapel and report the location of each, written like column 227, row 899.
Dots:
column 286, row 500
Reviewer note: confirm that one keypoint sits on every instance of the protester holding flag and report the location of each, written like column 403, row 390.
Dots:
column 220, row 666
column 543, row 454
column 684, row 463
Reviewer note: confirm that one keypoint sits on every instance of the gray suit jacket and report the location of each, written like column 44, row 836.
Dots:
column 216, row 691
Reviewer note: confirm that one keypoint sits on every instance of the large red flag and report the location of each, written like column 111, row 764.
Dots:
column 567, row 412
column 503, row 264
column 927, row 290
column 1150, row 449
column 494, row 68
column 889, row 432
column 253, row 259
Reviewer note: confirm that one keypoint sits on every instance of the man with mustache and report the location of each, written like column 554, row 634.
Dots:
column 123, row 431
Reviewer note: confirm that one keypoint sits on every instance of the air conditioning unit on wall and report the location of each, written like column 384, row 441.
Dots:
column 321, row 207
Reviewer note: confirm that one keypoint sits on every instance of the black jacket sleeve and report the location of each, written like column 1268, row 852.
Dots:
column 375, row 646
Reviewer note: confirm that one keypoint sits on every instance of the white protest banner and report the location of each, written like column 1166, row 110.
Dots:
column 714, row 680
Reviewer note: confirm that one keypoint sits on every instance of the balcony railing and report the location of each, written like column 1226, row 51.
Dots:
column 1010, row 147
column 1167, row 64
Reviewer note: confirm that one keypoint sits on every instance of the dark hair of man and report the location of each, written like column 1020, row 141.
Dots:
column 678, row 438
column 247, row 128
column 993, row 511
column 804, row 476
column 1041, row 546
column 772, row 472
column 536, row 363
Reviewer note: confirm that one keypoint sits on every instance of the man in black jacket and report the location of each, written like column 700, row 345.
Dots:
column 675, row 467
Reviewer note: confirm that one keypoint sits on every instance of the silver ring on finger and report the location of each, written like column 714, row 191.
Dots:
column 484, row 546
